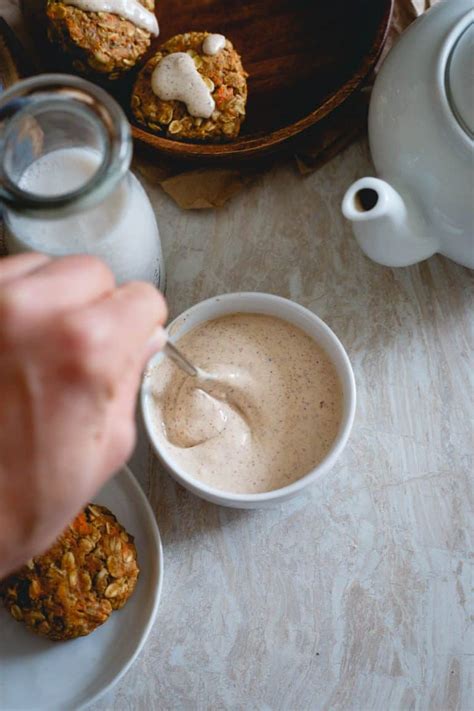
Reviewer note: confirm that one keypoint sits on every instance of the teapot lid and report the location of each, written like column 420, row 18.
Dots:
column 459, row 79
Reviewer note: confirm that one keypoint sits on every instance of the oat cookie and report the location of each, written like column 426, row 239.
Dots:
column 97, row 42
column 224, row 75
column 90, row 571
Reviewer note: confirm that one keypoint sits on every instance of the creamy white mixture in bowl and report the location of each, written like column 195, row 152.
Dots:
column 276, row 419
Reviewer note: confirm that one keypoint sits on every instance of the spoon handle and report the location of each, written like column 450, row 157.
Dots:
column 172, row 352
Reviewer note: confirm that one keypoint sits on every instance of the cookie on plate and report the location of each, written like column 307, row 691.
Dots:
column 98, row 42
column 74, row 587
column 222, row 73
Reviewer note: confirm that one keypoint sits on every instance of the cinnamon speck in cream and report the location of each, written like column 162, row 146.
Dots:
column 269, row 418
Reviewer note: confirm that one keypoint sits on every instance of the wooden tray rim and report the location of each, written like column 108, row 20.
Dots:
column 266, row 142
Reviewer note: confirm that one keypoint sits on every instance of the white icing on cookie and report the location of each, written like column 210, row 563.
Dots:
column 176, row 78
column 128, row 9
column 213, row 44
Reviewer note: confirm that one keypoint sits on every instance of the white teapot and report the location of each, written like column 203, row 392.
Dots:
column 421, row 134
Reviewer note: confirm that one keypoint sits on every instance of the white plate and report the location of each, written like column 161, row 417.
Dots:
column 39, row 675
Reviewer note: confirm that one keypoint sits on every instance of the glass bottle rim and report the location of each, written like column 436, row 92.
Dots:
column 101, row 108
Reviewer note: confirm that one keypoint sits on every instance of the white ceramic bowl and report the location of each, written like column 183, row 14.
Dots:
column 271, row 306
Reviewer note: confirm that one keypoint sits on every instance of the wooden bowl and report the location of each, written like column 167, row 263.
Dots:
column 304, row 58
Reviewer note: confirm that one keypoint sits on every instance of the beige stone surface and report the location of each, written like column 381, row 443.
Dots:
column 357, row 595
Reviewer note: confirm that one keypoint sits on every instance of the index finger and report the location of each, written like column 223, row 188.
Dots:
column 59, row 286
column 19, row 265
column 125, row 321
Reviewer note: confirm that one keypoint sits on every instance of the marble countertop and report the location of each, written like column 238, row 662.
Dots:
column 356, row 594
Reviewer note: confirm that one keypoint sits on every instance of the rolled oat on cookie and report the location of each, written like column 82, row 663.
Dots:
column 193, row 88
column 73, row 588
column 102, row 37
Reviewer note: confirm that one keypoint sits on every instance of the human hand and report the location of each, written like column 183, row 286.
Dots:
column 72, row 350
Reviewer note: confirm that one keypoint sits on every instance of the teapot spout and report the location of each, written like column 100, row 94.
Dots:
column 389, row 230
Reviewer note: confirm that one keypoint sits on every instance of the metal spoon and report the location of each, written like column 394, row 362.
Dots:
column 182, row 362
column 220, row 388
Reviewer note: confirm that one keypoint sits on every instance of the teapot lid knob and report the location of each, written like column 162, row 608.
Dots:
column 460, row 79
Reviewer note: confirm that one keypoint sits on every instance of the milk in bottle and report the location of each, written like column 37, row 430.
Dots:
column 71, row 189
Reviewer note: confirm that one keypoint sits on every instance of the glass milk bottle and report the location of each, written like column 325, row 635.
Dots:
column 65, row 183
